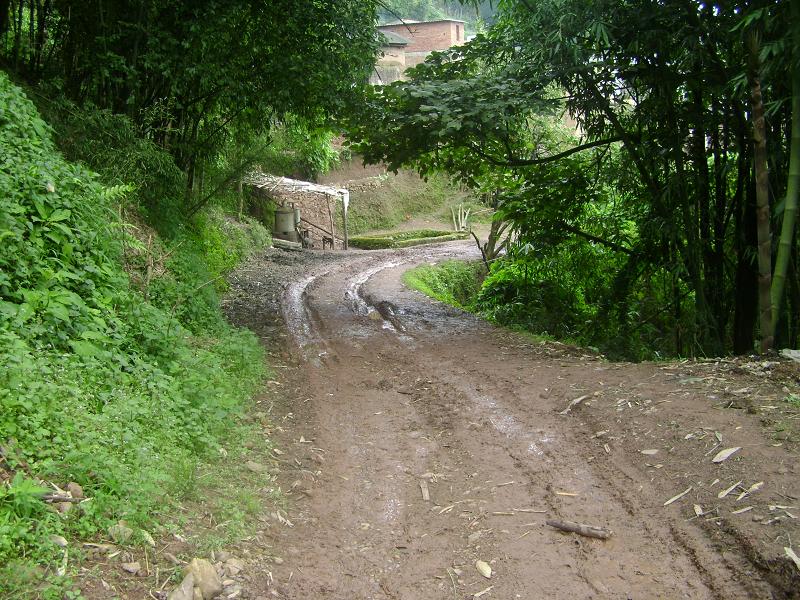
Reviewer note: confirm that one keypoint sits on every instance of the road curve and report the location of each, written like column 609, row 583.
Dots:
column 432, row 440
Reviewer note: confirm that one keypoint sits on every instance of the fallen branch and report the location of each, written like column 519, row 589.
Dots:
column 581, row 529
column 58, row 498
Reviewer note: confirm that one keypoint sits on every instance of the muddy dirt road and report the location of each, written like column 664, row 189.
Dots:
column 416, row 439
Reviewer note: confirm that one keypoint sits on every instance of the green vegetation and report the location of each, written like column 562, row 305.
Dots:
column 404, row 239
column 519, row 300
column 123, row 390
column 214, row 85
column 452, row 282
column 119, row 219
column 658, row 223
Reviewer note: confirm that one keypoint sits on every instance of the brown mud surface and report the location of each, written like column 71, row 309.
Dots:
column 415, row 439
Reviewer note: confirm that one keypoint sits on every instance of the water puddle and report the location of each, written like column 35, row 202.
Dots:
column 297, row 318
column 352, row 293
column 361, row 305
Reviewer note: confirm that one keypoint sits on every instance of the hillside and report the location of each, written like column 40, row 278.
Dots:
column 120, row 375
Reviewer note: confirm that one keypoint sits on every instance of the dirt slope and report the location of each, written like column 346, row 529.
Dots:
column 384, row 392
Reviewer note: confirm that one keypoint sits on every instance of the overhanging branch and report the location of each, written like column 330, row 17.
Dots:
column 594, row 238
column 530, row 162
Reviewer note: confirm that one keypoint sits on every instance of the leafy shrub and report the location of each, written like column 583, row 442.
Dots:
column 100, row 385
column 517, row 293
column 111, row 145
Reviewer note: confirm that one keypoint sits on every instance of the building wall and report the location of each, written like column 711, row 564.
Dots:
column 392, row 55
column 386, row 74
column 415, row 58
column 390, row 66
column 426, row 37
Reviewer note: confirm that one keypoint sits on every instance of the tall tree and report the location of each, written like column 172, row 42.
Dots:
column 762, row 191
column 191, row 72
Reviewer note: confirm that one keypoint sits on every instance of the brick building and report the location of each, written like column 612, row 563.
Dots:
column 409, row 43
column 391, row 63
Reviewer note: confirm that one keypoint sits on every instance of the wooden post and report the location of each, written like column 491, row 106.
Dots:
column 345, row 206
column 330, row 216
column 241, row 198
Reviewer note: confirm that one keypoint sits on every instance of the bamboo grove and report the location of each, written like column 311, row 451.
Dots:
column 671, row 203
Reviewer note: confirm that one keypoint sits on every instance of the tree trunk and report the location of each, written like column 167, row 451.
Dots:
column 746, row 283
column 5, row 6
column 41, row 31
column 793, row 186
column 762, row 193
column 18, row 35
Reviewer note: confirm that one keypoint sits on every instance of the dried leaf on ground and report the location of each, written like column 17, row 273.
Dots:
column 792, row 556
column 483, row 568
column 723, row 455
column 423, row 486
column 678, row 497
column 751, row 490
column 727, row 491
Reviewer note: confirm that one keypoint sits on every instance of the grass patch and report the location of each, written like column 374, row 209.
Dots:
column 231, row 494
column 399, row 198
column 405, row 239
column 459, row 284
column 453, row 282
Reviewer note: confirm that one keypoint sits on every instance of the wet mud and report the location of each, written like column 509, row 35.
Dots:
column 418, row 439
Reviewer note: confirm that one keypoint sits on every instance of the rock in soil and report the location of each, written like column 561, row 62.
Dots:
column 233, row 567
column 256, row 467
column 131, row 567
column 75, row 490
column 205, row 578
column 185, row 591
column 120, row 532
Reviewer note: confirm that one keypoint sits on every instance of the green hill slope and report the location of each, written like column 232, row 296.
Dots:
column 120, row 389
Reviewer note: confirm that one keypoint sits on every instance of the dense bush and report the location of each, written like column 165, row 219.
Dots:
column 112, row 145
column 561, row 293
column 118, row 388
column 515, row 294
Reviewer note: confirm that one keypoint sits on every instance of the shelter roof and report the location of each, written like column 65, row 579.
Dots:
column 272, row 183
column 390, row 38
column 413, row 22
